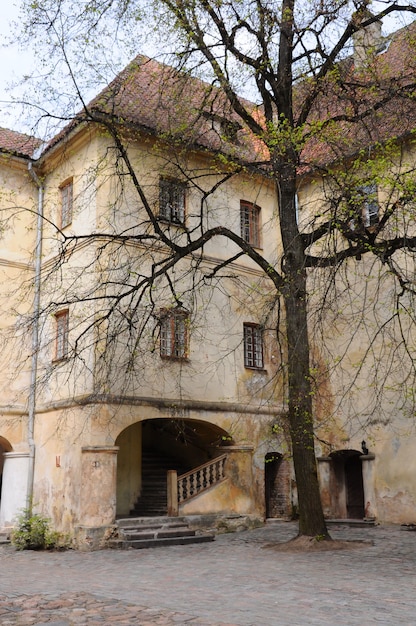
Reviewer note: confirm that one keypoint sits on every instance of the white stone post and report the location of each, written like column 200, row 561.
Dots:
column 370, row 509
column 324, row 475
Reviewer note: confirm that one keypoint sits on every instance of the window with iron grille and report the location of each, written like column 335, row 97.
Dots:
column 370, row 205
column 66, row 190
column 253, row 346
column 61, row 335
column 172, row 200
column 364, row 207
column 250, row 223
column 174, row 334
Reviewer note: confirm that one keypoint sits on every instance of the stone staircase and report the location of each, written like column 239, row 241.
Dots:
column 153, row 498
column 144, row 532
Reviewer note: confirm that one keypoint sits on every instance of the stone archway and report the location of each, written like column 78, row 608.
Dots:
column 148, row 449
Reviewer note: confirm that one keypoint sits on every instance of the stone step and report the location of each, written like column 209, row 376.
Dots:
column 159, row 520
column 352, row 523
column 161, row 531
column 148, row 525
column 149, row 511
column 167, row 541
column 156, row 534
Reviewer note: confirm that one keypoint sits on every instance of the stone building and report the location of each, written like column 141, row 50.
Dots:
column 186, row 373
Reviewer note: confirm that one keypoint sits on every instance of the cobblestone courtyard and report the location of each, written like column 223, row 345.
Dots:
column 236, row 580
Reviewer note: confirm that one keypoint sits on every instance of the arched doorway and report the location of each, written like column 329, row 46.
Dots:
column 347, row 484
column 148, row 449
column 276, row 485
column 4, row 447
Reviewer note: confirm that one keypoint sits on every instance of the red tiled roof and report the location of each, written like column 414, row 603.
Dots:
column 17, row 144
column 165, row 102
column 160, row 100
column 385, row 96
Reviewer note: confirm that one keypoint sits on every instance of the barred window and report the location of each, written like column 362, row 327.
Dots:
column 250, row 223
column 66, row 203
column 253, row 346
column 370, row 205
column 172, row 200
column 61, row 335
column 174, row 334
column 364, row 207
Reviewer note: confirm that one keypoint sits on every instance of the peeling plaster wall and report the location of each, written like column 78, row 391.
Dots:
column 78, row 477
column 395, row 483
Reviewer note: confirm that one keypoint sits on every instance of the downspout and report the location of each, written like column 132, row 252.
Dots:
column 35, row 340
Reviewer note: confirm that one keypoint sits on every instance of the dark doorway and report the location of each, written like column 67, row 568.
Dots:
column 274, row 494
column 354, row 487
column 347, row 489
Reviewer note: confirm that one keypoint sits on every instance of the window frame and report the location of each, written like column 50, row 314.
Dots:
column 61, row 335
column 174, row 334
column 171, row 209
column 253, row 346
column 250, row 229
column 66, row 190
column 370, row 202
column 366, row 207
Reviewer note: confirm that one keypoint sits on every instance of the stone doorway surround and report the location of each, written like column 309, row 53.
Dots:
column 338, row 485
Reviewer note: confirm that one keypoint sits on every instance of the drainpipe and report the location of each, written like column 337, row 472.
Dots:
column 35, row 339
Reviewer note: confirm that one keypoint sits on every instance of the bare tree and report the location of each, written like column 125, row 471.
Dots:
column 321, row 115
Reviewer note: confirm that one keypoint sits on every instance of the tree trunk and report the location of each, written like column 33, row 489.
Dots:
column 311, row 517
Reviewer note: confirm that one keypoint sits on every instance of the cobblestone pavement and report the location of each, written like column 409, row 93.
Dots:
column 237, row 580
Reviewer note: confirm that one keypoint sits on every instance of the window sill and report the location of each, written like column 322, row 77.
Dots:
column 169, row 222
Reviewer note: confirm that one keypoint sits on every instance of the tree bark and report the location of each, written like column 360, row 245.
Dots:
column 285, row 160
column 311, row 517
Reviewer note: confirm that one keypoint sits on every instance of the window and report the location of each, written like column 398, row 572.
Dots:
column 174, row 336
column 370, row 205
column 66, row 203
column 365, row 206
column 250, row 223
column 61, row 335
column 227, row 129
column 253, row 346
column 172, row 200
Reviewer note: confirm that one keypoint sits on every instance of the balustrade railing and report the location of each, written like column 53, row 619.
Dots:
column 186, row 486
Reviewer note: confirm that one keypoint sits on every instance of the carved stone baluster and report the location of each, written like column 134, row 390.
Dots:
column 188, row 486
column 211, row 474
column 194, row 484
column 218, row 471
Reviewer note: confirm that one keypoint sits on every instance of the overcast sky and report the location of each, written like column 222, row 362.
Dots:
column 14, row 63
